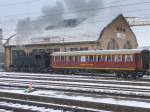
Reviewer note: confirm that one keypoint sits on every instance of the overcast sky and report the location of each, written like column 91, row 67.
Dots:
column 12, row 10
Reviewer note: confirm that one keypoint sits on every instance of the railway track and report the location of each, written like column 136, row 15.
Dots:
column 139, row 83
column 79, row 86
column 75, row 79
column 86, row 85
column 79, row 76
column 19, row 105
column 71, row 105
column 100, row 86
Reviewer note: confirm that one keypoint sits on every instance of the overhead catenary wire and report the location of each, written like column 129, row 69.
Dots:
column 91, row 22
column 84, row 9
column 98, row 21
column 19, row 3
column 106, row 17
column 127, row 11
column 34, row 1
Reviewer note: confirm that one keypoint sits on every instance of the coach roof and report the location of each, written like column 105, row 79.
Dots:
column 98, row 52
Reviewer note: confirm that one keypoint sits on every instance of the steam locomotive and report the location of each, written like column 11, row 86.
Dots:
column 124, row 63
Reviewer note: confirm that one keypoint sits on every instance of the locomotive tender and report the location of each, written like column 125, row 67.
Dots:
column 124, row 62
column 33, row 62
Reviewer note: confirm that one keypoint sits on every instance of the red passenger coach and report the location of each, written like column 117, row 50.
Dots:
column 122, row 62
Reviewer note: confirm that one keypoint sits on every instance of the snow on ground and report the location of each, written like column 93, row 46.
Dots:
column 2, row 110
column 34, row 108
column 58, row 76
column 38, row 74
column 80, row 79
column 107, row 100
column 84, row 97
column 76, row 83
column 90, row 89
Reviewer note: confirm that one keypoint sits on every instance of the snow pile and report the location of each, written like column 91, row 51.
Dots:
column 34, row 108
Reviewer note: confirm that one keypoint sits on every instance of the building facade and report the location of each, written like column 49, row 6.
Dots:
column 115, row 34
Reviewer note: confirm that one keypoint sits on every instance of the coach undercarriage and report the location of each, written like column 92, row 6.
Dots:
column 117, row 74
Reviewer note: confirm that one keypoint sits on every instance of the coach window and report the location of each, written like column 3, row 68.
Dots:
column 62, row 58
column 118, row 58
column 109, row 58
column 91, row 59
column 79, row 58
column 56, row 58
column 76, row 58
column 128, row 58
column 70, row 58
column 65, row 58
column 87, row 58
column 100, row 58
column 83, row 59
column 95, row 58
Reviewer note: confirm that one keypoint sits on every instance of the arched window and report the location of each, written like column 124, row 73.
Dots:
column 112, row 45
column 127, row 45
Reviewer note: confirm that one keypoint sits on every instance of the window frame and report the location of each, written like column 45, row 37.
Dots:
column 116, row 58
column 108, row 57
column 131, row 58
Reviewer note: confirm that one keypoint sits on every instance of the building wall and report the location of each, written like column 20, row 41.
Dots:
column 120, row 32
column 63, row 48
column 8, row 58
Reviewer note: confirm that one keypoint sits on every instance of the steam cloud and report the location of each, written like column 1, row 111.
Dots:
column 53, row 15
column 84, row 8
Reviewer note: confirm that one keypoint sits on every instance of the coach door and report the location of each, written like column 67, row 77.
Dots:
column 138, row 61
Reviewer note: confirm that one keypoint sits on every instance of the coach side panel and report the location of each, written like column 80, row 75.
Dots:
column 124, row 62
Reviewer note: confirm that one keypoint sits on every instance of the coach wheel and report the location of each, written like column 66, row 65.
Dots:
column 140, row 76
column 125, row 75
column 134, row 76
column 118, row 75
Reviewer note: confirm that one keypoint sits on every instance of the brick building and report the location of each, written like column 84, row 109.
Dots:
column 78, row 34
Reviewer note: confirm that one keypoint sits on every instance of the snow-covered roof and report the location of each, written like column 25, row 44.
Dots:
column 98, row 52
column 88, row 30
